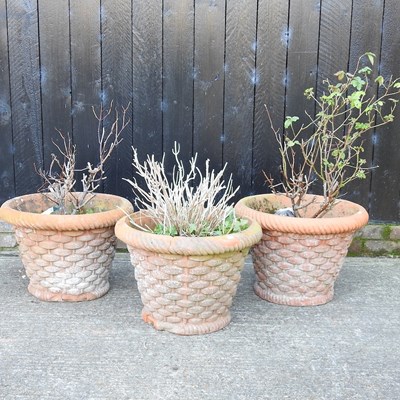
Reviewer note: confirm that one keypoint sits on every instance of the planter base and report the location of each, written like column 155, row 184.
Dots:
column 187, row 328
column 47, row 295
column 298, row 270
column 268, row 295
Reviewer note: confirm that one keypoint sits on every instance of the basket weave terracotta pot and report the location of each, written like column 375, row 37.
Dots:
column 298, row 259
column 186, row 284
column 66, row 257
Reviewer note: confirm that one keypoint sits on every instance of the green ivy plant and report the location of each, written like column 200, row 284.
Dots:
column 329, row 147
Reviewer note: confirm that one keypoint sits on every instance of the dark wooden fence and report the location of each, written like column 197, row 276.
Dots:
column 196, row 71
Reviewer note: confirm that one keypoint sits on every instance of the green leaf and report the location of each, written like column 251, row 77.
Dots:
column 309, row 93
column 361, row 126
column 289, row 121
column 355, row 99
column 365, row 70
column 396, row 85
column 361, row 174
column 388, row 118
column 380, row 80
column 371, row 57
column 291, row 143
column 192, row 228
column 358, row 83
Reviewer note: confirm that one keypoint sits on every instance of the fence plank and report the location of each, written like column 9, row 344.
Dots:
column 6, row 151
column 55, row 73
column 272, row 42
column 86, row 77
column 209, row 81
column 25, row 93
column 117, row 86
column 302, row 56
column 178, row 77
column 385, row 183
column 147, row 77
column 240, row 80
column 365, row 36
column 334, row 42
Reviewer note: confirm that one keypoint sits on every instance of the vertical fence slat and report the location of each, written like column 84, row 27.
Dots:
column 86, row 77
column 334, row 38
column 365, row 36
column 385, row 183
column 25, row 93
column 302, row 56
column 117, row 86
column 147, row 77
column 240, row 80
column 334, row 46
column 209, row 81
column 270, row 88
column 7, row 189
column 55, row 72
column 178, row 77
column 334, row 43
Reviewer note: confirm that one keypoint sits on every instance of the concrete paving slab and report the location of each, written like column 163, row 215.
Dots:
column 101, row 350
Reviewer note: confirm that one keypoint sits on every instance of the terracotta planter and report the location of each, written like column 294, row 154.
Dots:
column 298, row 259
column 186, row 284
column 66, row 257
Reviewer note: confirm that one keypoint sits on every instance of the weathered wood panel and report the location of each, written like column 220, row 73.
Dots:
column 302, row 56
column 7, row 188
column 209, row 81
column 178, row 42
column 196, row 72
column 116, row 58
column 334, row 39
column 55, row 71
column 25, row 93
column 86, row 77
column 366, row 27
column 385, row 184
column 272, row 39
column 240, row 82
column 147, row 61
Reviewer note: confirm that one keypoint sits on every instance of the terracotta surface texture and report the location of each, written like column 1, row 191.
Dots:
column 67, row 266
column 298, row 259
column 298, row 270
column 187, row 284
column 66, row 258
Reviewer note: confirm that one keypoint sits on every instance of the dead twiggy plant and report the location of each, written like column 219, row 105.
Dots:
column 191, row 204
column 59, row 181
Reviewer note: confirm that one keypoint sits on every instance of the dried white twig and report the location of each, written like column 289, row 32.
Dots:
column 192, row 204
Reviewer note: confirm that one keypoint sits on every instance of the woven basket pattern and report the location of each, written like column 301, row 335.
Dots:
column 298, row 270
column 187, row 295
column 67, row 266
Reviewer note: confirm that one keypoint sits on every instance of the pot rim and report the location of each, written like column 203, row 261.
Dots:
column 188, row 246
column 322, row 226
column 26, row 219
